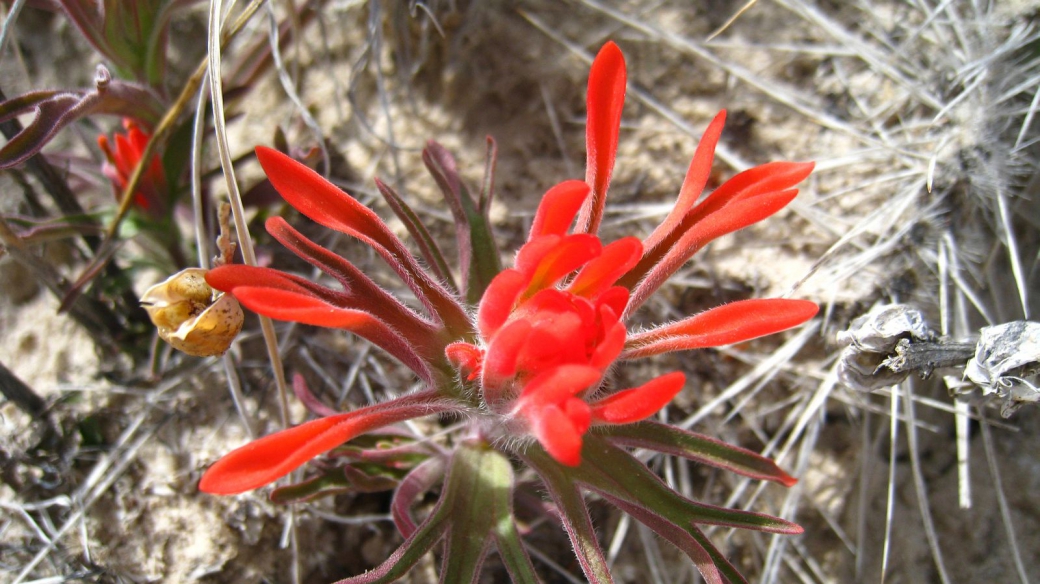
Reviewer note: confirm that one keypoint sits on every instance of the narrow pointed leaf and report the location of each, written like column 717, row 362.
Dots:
column 678, row 537
column 479, row 489
column 478, row 250
column 344, row 479
column 413, row 549
column 55, row 109
column 736, row 215
column 420, row 480
column 696, row 178
column 773, row 177
column 696, row 447
column 608, row 469
column 574, row 514
column 431, row 252
column 360, row 291
column 735, row 322
column 487, row 187
column 267, row 459
column 306, row 309
column 326, row 204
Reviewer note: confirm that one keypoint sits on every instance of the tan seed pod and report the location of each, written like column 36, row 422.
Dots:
column 191, row 316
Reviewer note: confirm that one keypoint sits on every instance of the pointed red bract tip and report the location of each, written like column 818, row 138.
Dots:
column 558, row 435
column 267, row 459
column 558, row 207
column 604, row 103
column 633, row 405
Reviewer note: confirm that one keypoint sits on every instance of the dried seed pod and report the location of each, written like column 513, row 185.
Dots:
column 191, row 316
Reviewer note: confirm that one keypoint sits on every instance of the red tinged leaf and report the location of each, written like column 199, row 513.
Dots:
column 326, row 204
column 736, row 215
column 266, row 460
column 604, row 102
column 769, row 177
column 735, row 322
column 761, row 183
column 696, row 178
column 360, row 292
column 305, row 308
column 558, row 207
column 696, row 447
column 230, row 277
column 634, row 405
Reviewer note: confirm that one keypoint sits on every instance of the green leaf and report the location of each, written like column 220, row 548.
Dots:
column 697, row 447
column 611, row 470
column 431, row 252
column 575, row 515
column 337, row 480
column 478, row 251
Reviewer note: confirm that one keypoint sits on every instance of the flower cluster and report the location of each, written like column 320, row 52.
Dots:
column 122, row 159
column 529, row 367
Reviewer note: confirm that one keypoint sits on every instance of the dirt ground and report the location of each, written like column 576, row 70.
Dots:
column 918, row 117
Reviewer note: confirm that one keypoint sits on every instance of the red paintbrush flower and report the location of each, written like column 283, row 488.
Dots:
column 529, row 368
column 122, row 159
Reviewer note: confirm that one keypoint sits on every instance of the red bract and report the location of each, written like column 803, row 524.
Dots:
column 121, row 161
column 530, row 367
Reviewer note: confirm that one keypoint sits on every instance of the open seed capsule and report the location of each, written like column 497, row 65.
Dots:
column 191, row 316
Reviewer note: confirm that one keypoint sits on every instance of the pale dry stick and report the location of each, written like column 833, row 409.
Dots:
column 962, row 286
column 722, row 152
column 1028, row 121
column 962, row 427
column 890, row 499
column 855, row 265
column 88, row 498
column 165, row 126
column 729, row 22
column 652, row 554
column 244, row 237
column 617, row 540
column 12, row 16
column 545, row 559
column 806, row 556
column 1007, row 236
column 1002, row 503
column 376, row 38
column 198, row 129
column 781, row 355
column 919, row 485
column 877, row 61
column 784, row 95
column 290, row 89
column 793, row 427
column 554, row 124
column 235, row 197
column 806, row 432
column 866, row 470
column 363, row 520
